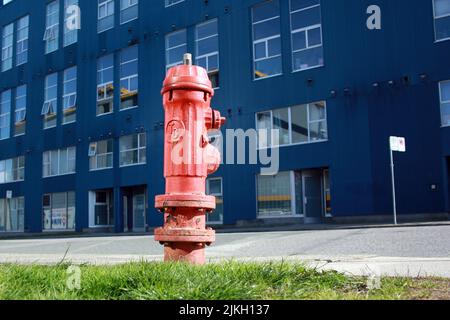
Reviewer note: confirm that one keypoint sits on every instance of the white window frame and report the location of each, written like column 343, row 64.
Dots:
column 106, row 5
column 441, row 101
column 129, row 78
column 7, row 114
column 211, row 54
column 131, row 3
column 310, row 122
column 276, row 215
column 265, row 41
column 49, row 163
column 67, row 96
column 139, row 149
column 436, row 40
column 104, row 86
column 22, row 109
column 20, row 41
column 53, row 102
column 7, row 47
column 179, row 62
column 306, row 31
column 169, row 3
column 95, row 154
column 16, row 169
column 67, row 41
column 51, row 31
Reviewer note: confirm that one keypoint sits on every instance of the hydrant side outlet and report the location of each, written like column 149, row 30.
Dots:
column 188, row 160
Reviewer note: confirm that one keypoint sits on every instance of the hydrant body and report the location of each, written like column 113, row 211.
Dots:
column 188, row 160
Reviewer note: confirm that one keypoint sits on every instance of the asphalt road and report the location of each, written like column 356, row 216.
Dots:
column 411, row 251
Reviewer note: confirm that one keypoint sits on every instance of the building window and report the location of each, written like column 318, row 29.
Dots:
column 12, row 170
column 104, row 209
column 275, row 195
column 442, row 19
column 266, row 39
column 295, row 125
column 70, row 95
column 129, row 10
column 306, row 33
column 105, row 15
column 214, row 188
column 133, row 150
column 129, row 78
column 12, row 214
column 59, row 211
column 5, row 114
column 445, row 102
column 176, row 47
column 5, row 2
column 22, row 40
column 51, row 35
column 7, row 46
column 105, row 85
column 101, row 155
column 50, row 106
column 70, row 34
column 207, row 43
column 59, row 162
column 20, row 111
column 172, row 2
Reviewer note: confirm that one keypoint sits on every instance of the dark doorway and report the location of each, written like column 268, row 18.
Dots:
column 134, row 200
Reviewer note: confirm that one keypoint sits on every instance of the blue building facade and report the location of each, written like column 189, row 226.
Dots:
column 82, row 123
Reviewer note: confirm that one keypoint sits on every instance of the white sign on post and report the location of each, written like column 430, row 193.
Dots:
column 396, row 144
column 9, row 194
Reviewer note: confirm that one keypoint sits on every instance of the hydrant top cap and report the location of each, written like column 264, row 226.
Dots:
column 186, row 77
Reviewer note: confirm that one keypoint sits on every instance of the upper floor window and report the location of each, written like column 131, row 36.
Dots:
column 129, row 10
column 12, row 170
column 5, row 2
column 59, row 162
column 306, row 32
column 105, row 85
column 442, row 19
column 7, row 46
column 101, row 155
column 70, row 95
column 22, row 40
column 266, row 39
column 105, row 15
column 207, row 46
column 50, row 106
column 5, row 114
column 133, row 150
column 295, row 125
column 129, row 78
column 51, row 36
column 176, row 47
column 70, row 33
column 172, row 2
column 20, row 111
column 445, row 102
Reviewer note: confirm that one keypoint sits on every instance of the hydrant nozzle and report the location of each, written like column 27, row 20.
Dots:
column 188, row 160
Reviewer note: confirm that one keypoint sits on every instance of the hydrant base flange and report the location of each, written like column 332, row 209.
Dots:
column 165, row 235
column 185, row 201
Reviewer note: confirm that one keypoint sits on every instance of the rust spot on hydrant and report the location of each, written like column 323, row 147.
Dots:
column 187, row 94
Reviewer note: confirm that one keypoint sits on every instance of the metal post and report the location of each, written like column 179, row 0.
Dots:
column 393, row 184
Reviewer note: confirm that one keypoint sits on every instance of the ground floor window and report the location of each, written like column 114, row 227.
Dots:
column 214, row 187
column 103, row 208
column 59, row 211
column 12, row 214
column 304, row 193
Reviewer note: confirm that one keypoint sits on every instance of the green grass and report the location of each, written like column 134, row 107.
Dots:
column 227, row 281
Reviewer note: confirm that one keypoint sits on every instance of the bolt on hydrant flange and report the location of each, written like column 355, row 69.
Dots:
column 188, row 159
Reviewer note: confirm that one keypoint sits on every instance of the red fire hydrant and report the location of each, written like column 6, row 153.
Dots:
column 188, row 159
